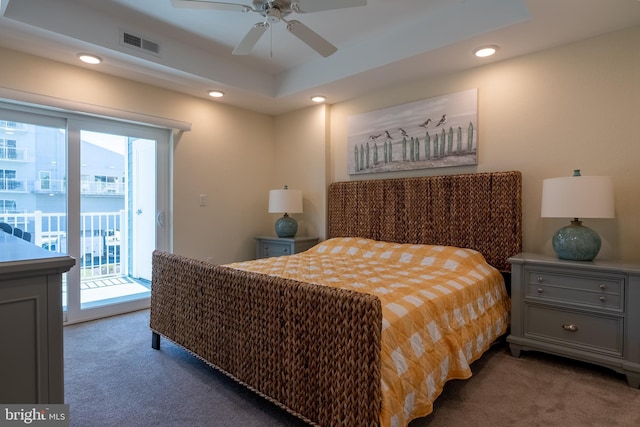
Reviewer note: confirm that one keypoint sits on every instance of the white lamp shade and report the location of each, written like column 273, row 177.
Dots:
column 285, row 201
column 578, row 197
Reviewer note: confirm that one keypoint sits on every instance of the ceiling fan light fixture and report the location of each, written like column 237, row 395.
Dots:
column 318, row 98
column 89, row 58
column 273, row 15
column 485, row 51
column 216, row 93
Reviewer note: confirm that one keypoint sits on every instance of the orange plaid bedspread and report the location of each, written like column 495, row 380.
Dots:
column 442, row 308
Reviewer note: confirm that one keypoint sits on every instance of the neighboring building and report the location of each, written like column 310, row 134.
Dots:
column 33, row 179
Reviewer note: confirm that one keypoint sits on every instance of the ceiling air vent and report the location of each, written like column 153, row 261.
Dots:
column 129, row 39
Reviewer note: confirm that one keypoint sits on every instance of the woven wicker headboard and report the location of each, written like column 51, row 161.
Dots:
column 481, row 211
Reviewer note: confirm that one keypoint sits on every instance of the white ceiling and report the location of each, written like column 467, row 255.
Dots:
column 381, row 44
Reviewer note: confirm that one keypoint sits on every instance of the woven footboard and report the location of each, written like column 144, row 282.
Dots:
column 313, row 350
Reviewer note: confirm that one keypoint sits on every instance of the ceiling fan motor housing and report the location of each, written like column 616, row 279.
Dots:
column 273, row 10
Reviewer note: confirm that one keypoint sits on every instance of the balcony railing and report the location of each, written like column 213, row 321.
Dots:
column 13, row 153
column 13, row 184
column 12, row 126
column 101, row 188
column 102, row 249
column 50, row 185
column 90, row 188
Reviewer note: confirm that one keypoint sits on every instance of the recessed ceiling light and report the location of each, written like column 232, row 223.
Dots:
column 216, row 94
column 318, row 98
column 484, row 51
column 89, row 58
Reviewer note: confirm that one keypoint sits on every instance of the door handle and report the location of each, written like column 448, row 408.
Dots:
column 160, row 219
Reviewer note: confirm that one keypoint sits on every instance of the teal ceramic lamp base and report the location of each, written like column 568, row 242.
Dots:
column 286, row 226
column 576, row 242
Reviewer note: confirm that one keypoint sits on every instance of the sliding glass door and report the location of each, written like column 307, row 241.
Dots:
column 123, row 194
column 98, row 190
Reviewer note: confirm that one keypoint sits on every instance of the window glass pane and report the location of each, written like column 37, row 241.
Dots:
column 38, row 207
column 117, row 211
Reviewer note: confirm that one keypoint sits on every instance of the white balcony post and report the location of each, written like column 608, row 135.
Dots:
column 37, row 225
column 124, row 243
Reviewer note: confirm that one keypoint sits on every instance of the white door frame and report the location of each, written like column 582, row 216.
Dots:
column 163, row 139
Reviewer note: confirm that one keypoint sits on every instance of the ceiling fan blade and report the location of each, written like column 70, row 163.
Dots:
column 304, row 6
column 206, row 4
column 250, row 40
column 310, row 37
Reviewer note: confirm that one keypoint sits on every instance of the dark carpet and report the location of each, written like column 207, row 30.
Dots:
column 114, row 378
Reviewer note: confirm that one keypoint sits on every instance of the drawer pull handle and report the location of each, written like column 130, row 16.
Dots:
column 603, row 286
column 540, row 290
column 540, row 279
column 571, row 327
column 603, row 299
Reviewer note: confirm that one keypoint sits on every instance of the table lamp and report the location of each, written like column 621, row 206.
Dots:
column 577, row 197
column 285, row 201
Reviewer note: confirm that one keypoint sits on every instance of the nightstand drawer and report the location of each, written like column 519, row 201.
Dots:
column 275, row 249
column 595, row 333
column 280, row 246
column 602, row 292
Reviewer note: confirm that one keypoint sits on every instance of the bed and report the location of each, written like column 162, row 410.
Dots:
column 312, row 334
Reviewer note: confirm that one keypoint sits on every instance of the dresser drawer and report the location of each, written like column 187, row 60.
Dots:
column 601, row 334
column 596, row 291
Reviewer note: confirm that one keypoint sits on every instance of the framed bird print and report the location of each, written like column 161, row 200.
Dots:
column 432, row 133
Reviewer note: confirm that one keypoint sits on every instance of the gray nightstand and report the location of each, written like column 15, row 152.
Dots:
column 588, row 311
column 277, row 246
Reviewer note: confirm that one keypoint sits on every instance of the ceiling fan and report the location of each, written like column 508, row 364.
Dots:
column 275, row 11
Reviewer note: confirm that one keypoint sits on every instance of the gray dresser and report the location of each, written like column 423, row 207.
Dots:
column 278, row 246
column 31, row 353
column 588, row 311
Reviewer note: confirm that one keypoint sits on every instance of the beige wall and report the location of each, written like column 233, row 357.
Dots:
column 228, row 155
column 576, row 106
column 301, row 156
column 545, row 114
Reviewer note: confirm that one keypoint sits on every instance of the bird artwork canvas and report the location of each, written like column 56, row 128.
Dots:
column 432, row 133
